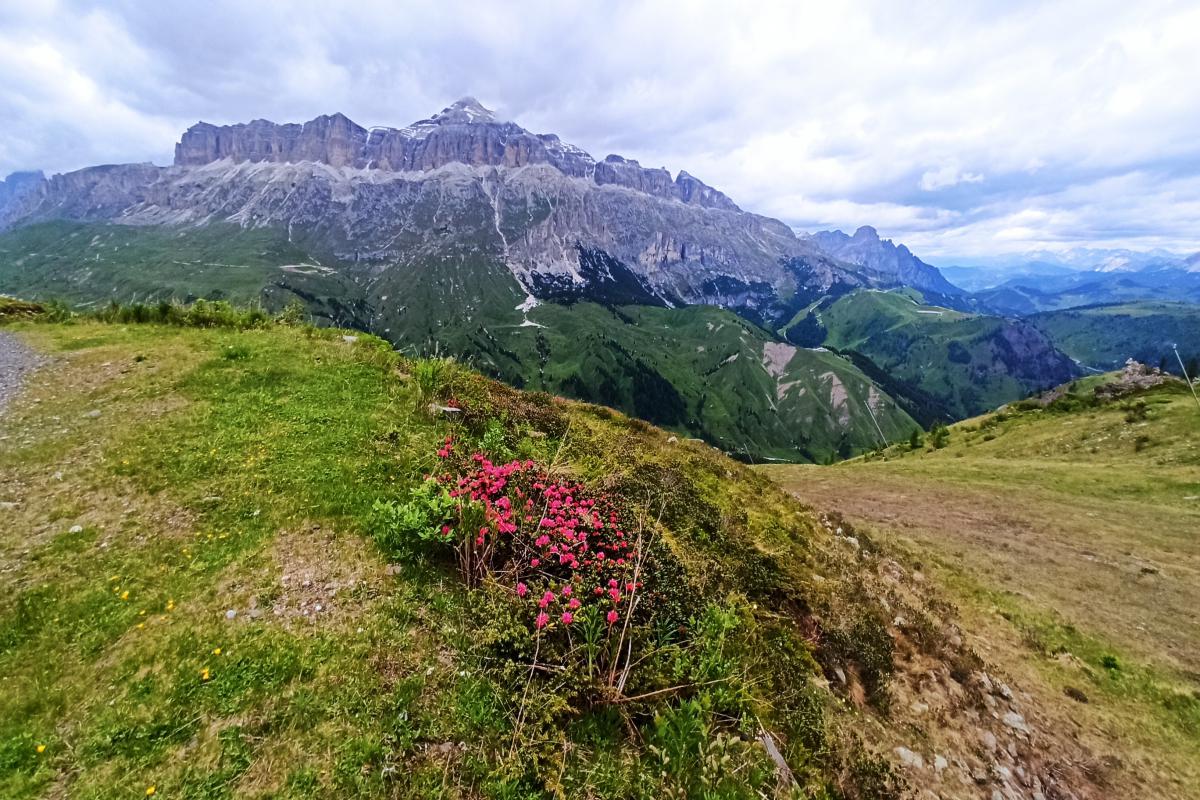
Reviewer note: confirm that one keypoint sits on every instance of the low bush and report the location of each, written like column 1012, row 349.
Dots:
column 585, row 611
column 200, row 314
column 573, row 562
column 13, row 310
column 939, row 435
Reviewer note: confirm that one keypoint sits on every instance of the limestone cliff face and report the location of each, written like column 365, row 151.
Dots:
column 333, row 140
column 20, row 194
column 464, row 133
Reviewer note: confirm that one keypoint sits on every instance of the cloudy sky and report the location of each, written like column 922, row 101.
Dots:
column 961, row 128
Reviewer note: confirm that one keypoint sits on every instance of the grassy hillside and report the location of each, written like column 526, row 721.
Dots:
column 225, row 573
column 966, row 363
column 90, row 264
column 1103, row 337
column 1068, row 535
column 702, row 372
column 697, row 370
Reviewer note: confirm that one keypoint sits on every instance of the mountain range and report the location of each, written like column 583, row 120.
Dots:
column 602, row 279
column 1027, row 283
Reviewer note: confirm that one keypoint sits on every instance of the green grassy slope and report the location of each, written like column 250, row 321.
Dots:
column 698, row 370
column 1068, row 535
column 1103, row 337
column 90, row 264
column 670, row 366
column 190, row 599
column 966, row 363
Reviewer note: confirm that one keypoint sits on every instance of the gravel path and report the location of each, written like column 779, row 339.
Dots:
column 16, row 361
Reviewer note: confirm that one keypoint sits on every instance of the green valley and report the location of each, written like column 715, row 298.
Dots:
column 960, row 364
column 1103, row 337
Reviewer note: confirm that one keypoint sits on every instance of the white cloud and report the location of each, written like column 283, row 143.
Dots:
column 941, row 128
column 947, row 175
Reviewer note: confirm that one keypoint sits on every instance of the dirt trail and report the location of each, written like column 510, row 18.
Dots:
column 16, row 361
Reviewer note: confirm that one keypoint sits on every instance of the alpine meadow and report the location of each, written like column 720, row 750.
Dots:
column 351, row 456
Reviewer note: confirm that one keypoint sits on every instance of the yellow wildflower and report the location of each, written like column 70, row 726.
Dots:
column 125, row 595
column 149, row 790
column 204, row 675
column 41, row 748
column 216, row 651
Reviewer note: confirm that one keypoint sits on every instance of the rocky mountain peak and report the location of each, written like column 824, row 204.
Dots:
column 883, row 260
column 465, row 111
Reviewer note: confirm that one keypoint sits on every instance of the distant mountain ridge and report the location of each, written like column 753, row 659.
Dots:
column 883, row 260
column 465, row 133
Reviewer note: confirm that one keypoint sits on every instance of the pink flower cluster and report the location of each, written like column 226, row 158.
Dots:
column 518, row 522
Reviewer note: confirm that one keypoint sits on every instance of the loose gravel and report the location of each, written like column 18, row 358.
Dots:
column 16, row 362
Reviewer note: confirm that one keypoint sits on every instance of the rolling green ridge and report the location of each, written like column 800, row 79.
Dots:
column 698, row 369
column 1103, row 337
column 1066, row 532
column 966, row 363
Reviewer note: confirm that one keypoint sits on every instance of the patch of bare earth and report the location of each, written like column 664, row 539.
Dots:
column 956, row 728
column 1085, row 560
column 311, row 576
column 55, row 474
column 1013, row 723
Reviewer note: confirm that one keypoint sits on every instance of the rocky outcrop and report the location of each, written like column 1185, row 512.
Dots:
column 330, row 139
column 20, row 195
column 887, row 263
column 1134, row 377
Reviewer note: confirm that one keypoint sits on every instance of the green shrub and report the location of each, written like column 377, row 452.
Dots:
column 871, row 777
column 864, row 644
column 696, row 762
column 939, row 434
column 1135, row 412
column 401, row 527
column 494, row 442
column 432, row 375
